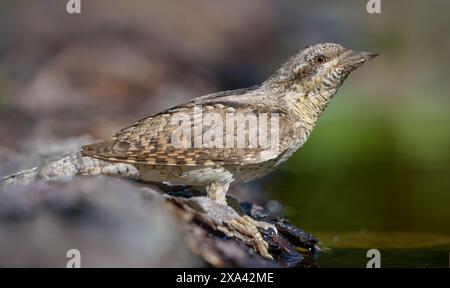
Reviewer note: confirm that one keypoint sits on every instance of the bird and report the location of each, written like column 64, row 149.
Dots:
column 196, row 144
column 298, row 93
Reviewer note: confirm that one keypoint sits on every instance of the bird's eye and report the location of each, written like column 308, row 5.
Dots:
column 319, row 59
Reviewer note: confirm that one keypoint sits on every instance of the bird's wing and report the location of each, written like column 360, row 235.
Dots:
column 150, row 140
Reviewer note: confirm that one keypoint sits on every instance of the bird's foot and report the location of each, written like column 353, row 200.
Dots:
column 249, row 227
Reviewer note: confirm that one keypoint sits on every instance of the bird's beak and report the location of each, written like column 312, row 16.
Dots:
column 355, row 57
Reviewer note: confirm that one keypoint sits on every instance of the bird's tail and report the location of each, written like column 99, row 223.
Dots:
column 23, row 177
column 66, row 166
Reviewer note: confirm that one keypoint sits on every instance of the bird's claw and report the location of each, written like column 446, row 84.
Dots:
column 249, row 227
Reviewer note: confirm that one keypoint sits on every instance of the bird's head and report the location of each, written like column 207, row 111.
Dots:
column 318, row 70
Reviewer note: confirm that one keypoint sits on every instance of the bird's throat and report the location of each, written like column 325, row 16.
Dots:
column 307, row 107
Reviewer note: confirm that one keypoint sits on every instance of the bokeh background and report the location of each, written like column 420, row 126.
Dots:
column 375, row 172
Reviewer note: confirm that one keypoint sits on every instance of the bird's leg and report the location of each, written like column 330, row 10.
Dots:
column 245, row 225
column 217, row 192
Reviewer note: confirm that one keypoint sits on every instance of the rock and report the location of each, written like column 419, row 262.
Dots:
column 107, row 220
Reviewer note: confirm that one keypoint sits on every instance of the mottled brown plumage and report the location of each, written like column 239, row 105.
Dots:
column 298, row 92
column 148, row 141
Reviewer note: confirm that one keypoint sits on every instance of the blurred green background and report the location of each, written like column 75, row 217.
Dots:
column 376, row 170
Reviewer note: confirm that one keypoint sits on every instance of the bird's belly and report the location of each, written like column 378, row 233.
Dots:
column 251, row 172
column 185, row 175
column 202, row 176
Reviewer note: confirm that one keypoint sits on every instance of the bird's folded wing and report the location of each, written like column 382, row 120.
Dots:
column 151, row 140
